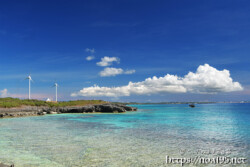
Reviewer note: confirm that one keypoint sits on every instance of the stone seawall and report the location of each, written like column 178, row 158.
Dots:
column 34, row 111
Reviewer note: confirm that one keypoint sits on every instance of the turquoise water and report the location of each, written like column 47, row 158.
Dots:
column 142, row 138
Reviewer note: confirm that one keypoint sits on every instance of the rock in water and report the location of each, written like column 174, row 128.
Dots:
column 191, row 105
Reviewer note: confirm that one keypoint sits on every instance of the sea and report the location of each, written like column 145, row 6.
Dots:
column 155, row 135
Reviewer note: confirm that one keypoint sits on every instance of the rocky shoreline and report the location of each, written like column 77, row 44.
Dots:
column 35, row 111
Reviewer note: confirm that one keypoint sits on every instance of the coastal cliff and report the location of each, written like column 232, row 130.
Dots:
column 43, row 110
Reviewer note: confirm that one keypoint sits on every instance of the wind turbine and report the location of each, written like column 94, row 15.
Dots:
column 56, row 85
column 30, row 79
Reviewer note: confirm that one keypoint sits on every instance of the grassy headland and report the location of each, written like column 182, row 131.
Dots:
column 15, row 102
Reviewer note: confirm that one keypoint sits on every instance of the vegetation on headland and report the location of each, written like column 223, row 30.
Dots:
column 15, row 102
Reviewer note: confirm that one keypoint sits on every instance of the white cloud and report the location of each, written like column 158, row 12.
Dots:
column 90, row 50
column 129, row 72
column 110, row 71
column 206, row 79
column 4, row 93
column 107, row 61
column 89, row 58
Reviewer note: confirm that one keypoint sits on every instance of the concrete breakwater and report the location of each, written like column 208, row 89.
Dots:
column 34, row 111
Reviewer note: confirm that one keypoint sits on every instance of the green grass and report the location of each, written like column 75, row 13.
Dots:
column 15, row 102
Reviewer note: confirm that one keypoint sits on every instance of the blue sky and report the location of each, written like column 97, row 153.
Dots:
column 48, row 39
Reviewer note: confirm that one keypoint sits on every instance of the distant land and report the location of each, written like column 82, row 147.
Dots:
column 9, row 102
column 191, row 102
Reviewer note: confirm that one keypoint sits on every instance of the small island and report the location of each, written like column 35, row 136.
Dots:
column 14, row 107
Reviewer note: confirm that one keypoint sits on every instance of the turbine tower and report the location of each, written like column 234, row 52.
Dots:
column 30, row 79
column 56, row 85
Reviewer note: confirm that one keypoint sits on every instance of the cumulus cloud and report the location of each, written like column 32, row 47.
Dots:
column 110, row 71
column 4, row 93
column 90, row 50
column 89, row 58
column 107, row 61
column 206, row 80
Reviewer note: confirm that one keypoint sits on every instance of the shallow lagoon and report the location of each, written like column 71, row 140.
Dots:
column 142, row 138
